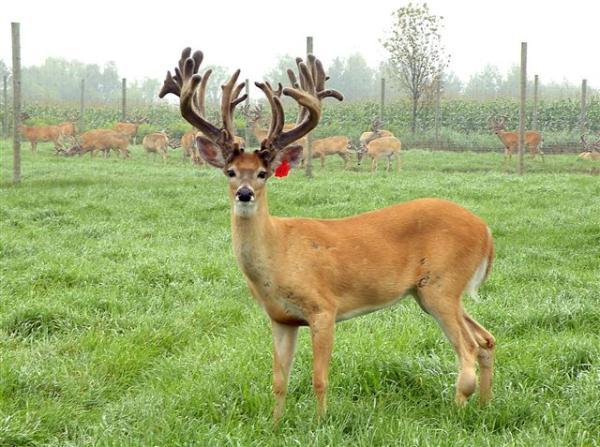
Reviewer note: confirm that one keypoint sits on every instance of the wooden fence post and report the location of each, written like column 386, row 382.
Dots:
column 5, row 115
column 536, row 81
column 124, row 100
column 438, row 95
column 522, row 104
column 308, row 149
column 16, row 74
column 382, row 101
column 583, row 118
column 81, row 120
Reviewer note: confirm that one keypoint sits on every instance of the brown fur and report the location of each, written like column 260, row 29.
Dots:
column 366, row 137
column 128, row 129
column 337, row 145
column 188, row 147
column 67, row 129
column 156, row 143
column 34, row 134
column 382, row 147
column 510, row 140
column 315, row 272
column 103, row 140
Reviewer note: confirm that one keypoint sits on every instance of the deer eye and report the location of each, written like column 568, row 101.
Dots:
column 230, row 173
column 262, row 174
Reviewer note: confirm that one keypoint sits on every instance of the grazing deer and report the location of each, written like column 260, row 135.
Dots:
column 375, row 132
column 332, row 146
column 156, row 143
column 316, row 272
column 381, row 147
column 188, row 147
column 34, row 134
column 510, row 140
column 253, row 115
column 101, row 140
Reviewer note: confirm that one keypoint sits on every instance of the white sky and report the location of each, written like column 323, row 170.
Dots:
column 145, row 38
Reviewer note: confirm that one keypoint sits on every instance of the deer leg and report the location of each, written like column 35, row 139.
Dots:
column 33, row 146
column 322, row 328
column 284, row 345
column 345, row 158
column 448, row 311
column 485, row 357
column 374, row 165
column 398, row 162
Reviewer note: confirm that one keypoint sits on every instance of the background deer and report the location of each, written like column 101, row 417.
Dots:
column 34, row 134
column 591, row 151
column 338, row 145
column 102, row 140
column 156, row 143
column 188, row 147
column 375, row 132
column 130, row 129
column 315, row 272
column 510, row 140
column 377, row 148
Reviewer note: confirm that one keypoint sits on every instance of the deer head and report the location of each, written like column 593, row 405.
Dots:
column 497, row 125
column 249, row 172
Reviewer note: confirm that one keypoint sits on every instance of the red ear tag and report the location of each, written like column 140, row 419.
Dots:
column 283, row 169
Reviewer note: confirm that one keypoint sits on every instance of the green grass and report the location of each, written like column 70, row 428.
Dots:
column 124, row 319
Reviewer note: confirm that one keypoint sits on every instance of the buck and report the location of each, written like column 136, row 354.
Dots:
column 34, row 134
column 388, row 147
column 316, row 272
column 375, row 132
column 590, row 150
column 130, row 129
column 510, row 140
column 337, row 145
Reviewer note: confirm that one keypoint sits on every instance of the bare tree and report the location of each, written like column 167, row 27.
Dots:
column 417, row 56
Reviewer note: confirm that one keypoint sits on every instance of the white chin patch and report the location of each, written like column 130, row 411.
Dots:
column 244, row 209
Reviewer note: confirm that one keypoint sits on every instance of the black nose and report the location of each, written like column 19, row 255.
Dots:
column 244, row 194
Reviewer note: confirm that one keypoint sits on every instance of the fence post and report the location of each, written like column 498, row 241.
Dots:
column 309, row 50
column 124, row 98
column 438, row 95
column 16, row 74
column 536, row 82
column 247, row 128
column 81, row 121
column 583, row 118
column 5, row 115
column 522, row 104
column 382, row 101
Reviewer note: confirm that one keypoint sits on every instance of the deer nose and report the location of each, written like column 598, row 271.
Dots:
column 244, row 194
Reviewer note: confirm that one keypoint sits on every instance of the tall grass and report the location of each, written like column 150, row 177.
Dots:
column 124, row 319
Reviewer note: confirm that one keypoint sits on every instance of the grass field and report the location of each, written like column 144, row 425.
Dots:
column 124, row 319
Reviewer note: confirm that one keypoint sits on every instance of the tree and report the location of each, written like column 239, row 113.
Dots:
column 485, row 84
column 353, row 77
column 417, row 56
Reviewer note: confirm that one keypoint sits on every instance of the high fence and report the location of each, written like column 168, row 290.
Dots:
column 463, row 124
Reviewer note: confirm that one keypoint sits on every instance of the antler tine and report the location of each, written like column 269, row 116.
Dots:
column 227, row 107
column 277, row 115
column 236, row 96
column 191, row 88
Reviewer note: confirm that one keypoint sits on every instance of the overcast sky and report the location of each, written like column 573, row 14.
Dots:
column 145, row 38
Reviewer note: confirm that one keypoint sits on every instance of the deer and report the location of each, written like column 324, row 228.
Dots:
column 253, row 115
column 336, row 145
column 375, row 132
column 380, row 147
column 101, row 140
column 34, row 134
column 156, row 143
column 130, row 129
column 591, row 151
column 318, row 272
column 188, row 146
column 510, row 140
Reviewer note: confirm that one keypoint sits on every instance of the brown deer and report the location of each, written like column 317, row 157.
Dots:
column 510, row 140
column 156, row 143
column 188, row 147
column 101, row 140
column 130, row 128
column 253, row 115
column 591, row 151
column 316, row 272
column 34, row 134
column 338, row 145
column 381, row 147
column 375, row 132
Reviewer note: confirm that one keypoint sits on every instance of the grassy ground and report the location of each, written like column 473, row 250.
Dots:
column 124, row 319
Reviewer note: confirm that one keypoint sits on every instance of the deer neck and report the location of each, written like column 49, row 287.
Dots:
column 252, row 237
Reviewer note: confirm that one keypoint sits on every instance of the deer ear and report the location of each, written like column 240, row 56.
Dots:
column 210, row 152
column 292, row 154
